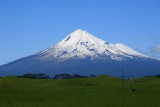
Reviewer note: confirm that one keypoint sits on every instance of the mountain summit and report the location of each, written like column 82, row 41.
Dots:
column 81, row 44
column 84, row 54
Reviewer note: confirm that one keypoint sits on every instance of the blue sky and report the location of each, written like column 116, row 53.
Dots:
column 29, row 26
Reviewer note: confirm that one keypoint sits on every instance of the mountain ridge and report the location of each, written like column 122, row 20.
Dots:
column 84, row 54
column 82, row 44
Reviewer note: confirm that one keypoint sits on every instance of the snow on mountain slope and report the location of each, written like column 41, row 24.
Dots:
column 82, row 44
column 82, row 53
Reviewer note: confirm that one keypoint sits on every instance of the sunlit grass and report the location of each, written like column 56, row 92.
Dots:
column 102, row 91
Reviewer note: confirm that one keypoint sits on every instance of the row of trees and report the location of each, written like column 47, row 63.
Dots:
column 158, row 76
column 57, row 76
column 35, row 76
column 68, row 76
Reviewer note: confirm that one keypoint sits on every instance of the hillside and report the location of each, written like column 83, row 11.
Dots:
column 84, row 54
column 102, row 91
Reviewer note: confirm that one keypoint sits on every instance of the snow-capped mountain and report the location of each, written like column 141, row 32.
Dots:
column 84, row 54
column 82, row 44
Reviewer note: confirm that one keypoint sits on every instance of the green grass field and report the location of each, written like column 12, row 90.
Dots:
column 102, row 91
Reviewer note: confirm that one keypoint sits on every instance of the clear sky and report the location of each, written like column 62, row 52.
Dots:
column 29, row 26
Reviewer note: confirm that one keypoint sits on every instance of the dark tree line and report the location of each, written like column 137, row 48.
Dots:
column 57, row 76
column 35, row 76
column 62, row 76
column 68, row 76
column 158, row 76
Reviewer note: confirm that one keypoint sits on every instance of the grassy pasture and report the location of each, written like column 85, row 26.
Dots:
column 102, row 91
